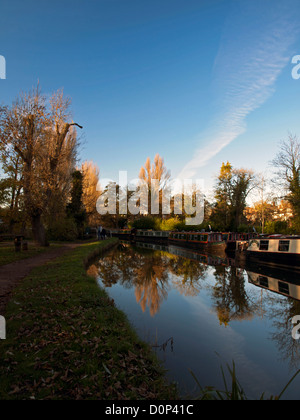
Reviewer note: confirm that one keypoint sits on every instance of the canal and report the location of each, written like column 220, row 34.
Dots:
column 200, row 313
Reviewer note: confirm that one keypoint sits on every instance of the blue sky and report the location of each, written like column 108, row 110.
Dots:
column 199, row 82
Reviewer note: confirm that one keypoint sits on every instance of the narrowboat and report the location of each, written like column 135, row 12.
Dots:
column 232, row 238
column 211, row 242
column 152, row 236
column 125, row 234
column 276, row 250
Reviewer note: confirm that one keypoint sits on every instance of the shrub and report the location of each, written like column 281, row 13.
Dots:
column 147, row 222
column 182, row 226
column 170, row 224
column 243, row 228
column 63, row 230
column 277, row 227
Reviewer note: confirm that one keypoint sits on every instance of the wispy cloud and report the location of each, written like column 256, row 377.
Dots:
column 255, row 48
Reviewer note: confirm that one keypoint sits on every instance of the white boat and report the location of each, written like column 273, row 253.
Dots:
column 277, row 249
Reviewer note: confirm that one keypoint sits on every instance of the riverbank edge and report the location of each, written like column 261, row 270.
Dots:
column 103, row 247
column 67, row 340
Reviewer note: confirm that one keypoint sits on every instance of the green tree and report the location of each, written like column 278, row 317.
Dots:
column 287, row 163
column 222, row 211
column 231, row 191
column 242, row 184
column 75, row 208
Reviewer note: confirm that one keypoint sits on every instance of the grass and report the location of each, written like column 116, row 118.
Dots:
column 234, row 390
column 9, row 255
column 67, row 340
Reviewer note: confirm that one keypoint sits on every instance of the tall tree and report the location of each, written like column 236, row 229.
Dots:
column 59, row 155
column 232, row 189
column 222, row 211
column 160, row 175
column 242, row 184
column 11, row 185
column 287, row 163
column 27, row 127
column 21, row 128
column 76, row 208
column 90, row 193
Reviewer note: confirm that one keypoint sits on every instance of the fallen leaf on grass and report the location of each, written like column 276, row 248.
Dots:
column 106, row 369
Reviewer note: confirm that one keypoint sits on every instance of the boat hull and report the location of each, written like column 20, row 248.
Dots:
column 152, row 238
column 231, row 246
column 275, row 258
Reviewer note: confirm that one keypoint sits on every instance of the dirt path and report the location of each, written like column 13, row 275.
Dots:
column 12, row 274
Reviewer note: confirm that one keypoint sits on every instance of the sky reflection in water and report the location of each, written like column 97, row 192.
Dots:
column 199, row 316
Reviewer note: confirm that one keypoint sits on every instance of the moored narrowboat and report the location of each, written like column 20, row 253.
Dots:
column 152, row 236
column 232, row 238
column 276, row 250
column 202, row 240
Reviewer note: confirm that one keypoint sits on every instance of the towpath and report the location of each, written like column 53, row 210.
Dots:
column 12, row 274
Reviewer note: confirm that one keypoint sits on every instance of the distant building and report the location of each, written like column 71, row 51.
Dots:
column 281, row 212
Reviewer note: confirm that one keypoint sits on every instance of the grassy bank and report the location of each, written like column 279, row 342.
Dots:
column 67, row 340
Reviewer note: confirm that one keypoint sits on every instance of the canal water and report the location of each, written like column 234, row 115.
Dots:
column 200, row 313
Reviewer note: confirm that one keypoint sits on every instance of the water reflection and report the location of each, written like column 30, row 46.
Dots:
column 255, row 305
column 281, row 311
column 231, row 300
column 148, row 272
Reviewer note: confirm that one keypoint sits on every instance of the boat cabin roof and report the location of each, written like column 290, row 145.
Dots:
column 280, row 237
column 196, row 233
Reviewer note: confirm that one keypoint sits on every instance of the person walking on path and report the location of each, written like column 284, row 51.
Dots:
column 99, row 233
column 103, row 234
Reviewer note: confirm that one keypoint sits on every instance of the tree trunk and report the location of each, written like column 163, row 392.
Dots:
column 38, row 229
column 34, row 213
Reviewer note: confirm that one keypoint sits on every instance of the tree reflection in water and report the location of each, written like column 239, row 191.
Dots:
column 230, row 297
column 189, row 275
column 151, row 281
column 153, row 273
column 147, row 271
column 281, row 312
